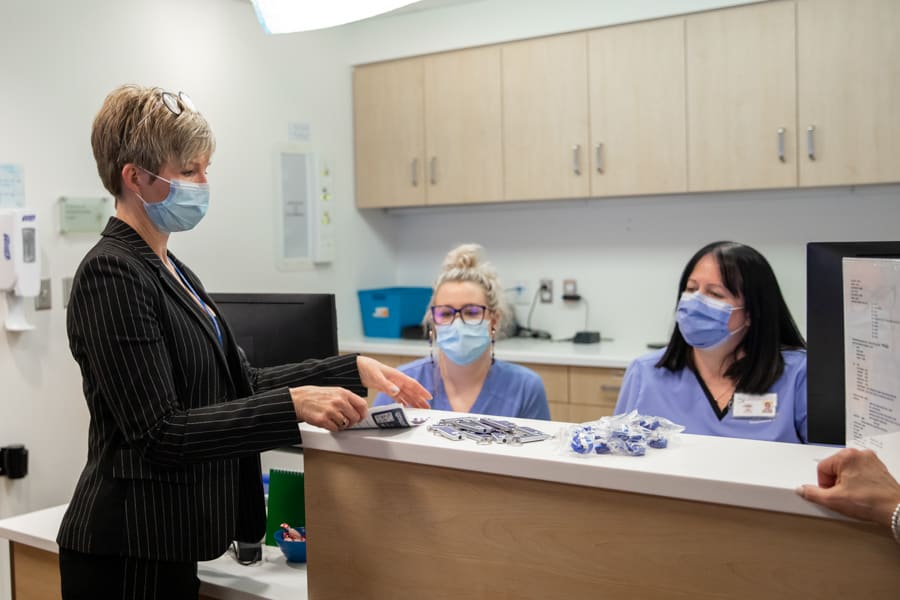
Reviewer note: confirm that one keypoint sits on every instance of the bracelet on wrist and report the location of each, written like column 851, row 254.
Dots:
column 895, row 523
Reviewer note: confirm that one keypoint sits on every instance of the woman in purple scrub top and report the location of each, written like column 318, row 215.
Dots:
column 465, row 314
column 735, row 365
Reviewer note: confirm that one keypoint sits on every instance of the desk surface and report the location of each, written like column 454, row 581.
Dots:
column 272, row 578
column 735, row 472
column 605, row 354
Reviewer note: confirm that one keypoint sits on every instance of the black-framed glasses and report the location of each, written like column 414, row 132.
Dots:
column 177, row 103
column 471, row 314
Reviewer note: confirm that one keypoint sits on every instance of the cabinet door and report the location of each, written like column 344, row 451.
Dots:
column 463, row 127
column 848, row 91
column 638, row 129
column 593, row 392
column 389, row 130
column 741, row 85
column 545, row 118
column 556, row 386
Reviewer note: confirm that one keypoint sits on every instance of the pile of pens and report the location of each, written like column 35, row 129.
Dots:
column 486, row 430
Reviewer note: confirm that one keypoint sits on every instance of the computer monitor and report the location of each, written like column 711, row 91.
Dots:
column 275, row 329
column 825, row 333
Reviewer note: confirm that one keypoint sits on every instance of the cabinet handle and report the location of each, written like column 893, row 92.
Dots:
column 433, row 170
column 609, row 388
column 415, row 172
column 598, row 157
column 781, row 144
column 811, row 142
column 576, row 159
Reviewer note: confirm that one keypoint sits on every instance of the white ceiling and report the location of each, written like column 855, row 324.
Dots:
column 420, row 5
column 430, row 5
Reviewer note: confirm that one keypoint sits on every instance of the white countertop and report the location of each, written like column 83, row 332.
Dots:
column 520, row 350
column 736, row 472
column 273, row 577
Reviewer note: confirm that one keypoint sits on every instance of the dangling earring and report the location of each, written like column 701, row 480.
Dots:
column 493, row 341
column 431, row 345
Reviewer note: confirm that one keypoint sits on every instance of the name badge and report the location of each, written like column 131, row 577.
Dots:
column 755, row 406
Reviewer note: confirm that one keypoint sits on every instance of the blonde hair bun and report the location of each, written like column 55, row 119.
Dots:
column 466, row 256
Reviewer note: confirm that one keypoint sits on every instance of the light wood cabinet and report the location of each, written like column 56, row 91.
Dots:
column 593, row 392
column 575, row 394
column 463, row 127
column 848, row 90
column 428, row 130
column 769, row 95
column 741, row 82
column 545, row 118
column 389, row 130
column 637, row 109
column 556, row 386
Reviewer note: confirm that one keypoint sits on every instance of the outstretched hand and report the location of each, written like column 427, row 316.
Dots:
column 402, row 388
column 332, row 408
column 857, row 484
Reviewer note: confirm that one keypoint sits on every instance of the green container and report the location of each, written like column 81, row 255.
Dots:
column 287, row 503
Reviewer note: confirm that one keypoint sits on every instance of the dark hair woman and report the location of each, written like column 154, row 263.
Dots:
column 736, row 363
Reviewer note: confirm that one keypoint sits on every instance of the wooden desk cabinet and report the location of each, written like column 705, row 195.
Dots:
column 575, row 394
column 35, row 573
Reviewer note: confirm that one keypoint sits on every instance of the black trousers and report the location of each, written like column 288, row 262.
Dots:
column 92, row 577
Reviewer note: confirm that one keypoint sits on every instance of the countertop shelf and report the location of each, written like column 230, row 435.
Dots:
column 612, row 354
column 271, row 578
column 735, row 472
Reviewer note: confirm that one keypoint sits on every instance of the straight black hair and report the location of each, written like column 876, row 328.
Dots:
column 745, row 272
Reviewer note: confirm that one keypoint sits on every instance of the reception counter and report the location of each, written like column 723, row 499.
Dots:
column 406, row 514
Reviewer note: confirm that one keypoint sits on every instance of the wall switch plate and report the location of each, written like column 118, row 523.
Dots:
column 66, row 290
column 546, row 290
column 42, row 300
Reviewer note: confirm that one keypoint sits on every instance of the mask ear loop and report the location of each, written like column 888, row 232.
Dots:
column 431, row 344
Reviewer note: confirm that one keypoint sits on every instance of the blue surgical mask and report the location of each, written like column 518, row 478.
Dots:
column 182, row 209
column 703, row 321
column 462, row 342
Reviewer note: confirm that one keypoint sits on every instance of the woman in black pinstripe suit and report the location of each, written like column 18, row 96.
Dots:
column 177, row 417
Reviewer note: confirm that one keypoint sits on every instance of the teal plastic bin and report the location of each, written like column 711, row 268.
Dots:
column 386, row 311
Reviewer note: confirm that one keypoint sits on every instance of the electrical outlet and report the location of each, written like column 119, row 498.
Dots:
column 570, row 291
column 42, row 300
column 546, row 291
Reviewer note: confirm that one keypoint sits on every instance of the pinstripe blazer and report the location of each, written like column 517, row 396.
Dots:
column 177, row 420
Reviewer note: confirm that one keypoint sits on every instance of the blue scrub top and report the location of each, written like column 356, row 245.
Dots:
column 509, row 390
column 679, row 397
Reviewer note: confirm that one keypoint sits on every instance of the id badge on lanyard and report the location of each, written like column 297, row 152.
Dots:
column 755, row 406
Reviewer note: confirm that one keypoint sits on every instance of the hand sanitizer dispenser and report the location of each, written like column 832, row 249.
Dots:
column 20, row 267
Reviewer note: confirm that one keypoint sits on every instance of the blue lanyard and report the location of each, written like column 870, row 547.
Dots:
column 208, row 312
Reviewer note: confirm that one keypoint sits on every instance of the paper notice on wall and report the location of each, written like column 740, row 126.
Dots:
column 12, row 186
column 872, row 353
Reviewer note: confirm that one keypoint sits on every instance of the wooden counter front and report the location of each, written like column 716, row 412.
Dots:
column 381, row 528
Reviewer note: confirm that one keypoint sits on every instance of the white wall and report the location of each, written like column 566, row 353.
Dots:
column 59, row 59
column 627, row 254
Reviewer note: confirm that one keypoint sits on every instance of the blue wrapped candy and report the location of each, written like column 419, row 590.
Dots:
column 629, row 434
column 582, row 441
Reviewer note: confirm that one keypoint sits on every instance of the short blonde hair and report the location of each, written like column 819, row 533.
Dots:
column 464, row 263
column 134, row 126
